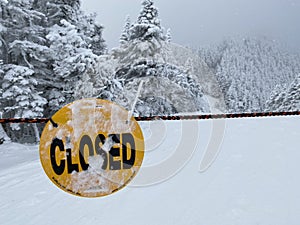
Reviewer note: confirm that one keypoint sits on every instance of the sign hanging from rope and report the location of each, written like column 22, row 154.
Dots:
column 91, row 148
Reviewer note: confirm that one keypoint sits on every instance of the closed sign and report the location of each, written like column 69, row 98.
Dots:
column 91, row 148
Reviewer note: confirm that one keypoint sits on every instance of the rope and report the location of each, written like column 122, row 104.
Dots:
column 168, row 118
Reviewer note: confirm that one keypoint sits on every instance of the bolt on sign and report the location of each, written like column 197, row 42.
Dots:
column 91, row 148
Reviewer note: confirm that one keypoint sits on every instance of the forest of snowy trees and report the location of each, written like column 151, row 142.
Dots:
column 45, row 48
column 52, row 53
column 253, row 73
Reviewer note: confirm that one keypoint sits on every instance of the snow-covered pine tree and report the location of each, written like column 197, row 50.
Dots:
column 72, row 59
column 23, row 51
column 3, row 29
column 125, row 34
column 23, row 38
column 285, row 99
column 106, row 83
column 146, row 56
column 69, row 54
column 146, row 38
column 276, row 98
column 21, row 34
column 70, row 10
column 91, row 32
column 20, row 98
column 292, row 100
column 24, row 41
column 148, row 25
column 23, row 30
column 57, row 10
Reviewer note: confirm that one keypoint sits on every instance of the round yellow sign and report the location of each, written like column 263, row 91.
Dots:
column 91, row 148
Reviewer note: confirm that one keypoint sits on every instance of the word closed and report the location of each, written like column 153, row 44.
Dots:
column 116, row 151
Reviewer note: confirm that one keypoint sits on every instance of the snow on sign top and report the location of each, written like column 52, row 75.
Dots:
column 91, row 148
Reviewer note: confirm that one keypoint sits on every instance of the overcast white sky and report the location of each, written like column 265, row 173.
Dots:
column 201, row 22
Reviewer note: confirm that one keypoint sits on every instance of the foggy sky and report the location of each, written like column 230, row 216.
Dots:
column 202, row 22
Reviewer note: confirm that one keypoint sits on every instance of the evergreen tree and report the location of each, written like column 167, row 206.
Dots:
column 25, row 41
column 53, row 67
column 147, row 26
column 292, row 101
column 288, row 99
column 276, row 98
column 57, row 10
column 20, row 98
column 19, row 93
column 125, row 34
column 21, row 35
column 145, row 55
column 69, row 10
column 72, row 37
column 23, row 51
column 91, row 32
column 145, row 38
column 72, row 59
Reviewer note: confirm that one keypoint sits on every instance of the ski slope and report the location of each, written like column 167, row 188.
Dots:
column 254, row 180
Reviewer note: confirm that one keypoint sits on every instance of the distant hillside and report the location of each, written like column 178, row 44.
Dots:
column 249, row 70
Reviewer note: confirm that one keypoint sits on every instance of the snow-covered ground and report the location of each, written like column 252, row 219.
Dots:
column 254, row 180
